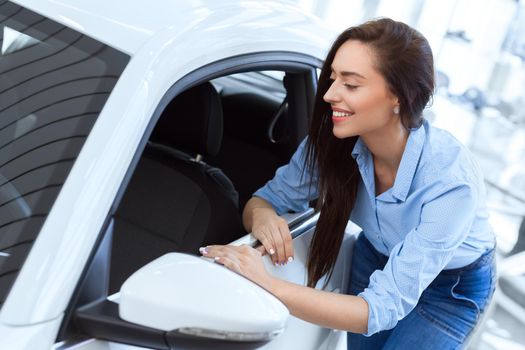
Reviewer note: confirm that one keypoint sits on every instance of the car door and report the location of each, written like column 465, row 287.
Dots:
column 94, row 310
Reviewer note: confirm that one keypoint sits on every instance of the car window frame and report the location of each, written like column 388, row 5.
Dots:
column 289, row 62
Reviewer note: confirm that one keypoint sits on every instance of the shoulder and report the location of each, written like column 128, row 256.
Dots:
column 446, row 161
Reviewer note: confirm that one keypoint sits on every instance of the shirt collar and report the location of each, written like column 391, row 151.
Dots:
column 407, row 167
column 359, row 148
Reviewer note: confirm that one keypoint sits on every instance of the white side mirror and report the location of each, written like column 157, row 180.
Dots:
column 192, row 295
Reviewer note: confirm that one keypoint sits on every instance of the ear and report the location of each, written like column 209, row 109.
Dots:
column 395, row 104
column 395, row 101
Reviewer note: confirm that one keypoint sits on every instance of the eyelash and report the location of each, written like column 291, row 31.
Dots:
column 350, row 87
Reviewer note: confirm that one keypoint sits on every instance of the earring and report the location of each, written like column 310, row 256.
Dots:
column 396, row 110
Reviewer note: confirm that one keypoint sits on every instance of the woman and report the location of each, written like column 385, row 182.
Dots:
column 423, row 267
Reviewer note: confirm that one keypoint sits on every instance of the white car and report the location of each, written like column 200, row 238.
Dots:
column 132, row 133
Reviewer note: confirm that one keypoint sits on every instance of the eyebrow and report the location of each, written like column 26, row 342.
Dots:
column 349, row 73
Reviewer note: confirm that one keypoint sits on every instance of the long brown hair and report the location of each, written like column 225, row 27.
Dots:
column 404, row 58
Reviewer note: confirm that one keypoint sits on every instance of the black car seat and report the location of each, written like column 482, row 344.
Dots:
column 175, row 201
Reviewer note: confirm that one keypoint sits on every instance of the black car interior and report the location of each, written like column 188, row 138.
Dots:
column 249, row 153
column 213, row 146
column 175, row 201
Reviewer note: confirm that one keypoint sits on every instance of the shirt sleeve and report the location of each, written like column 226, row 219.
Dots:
column 416, row 261
column 291, row 189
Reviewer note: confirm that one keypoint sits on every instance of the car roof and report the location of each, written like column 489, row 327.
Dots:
column 128, row 24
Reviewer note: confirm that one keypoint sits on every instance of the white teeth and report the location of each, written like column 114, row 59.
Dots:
column 341, row 114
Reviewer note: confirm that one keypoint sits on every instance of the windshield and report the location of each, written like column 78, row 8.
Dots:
column 54, row 82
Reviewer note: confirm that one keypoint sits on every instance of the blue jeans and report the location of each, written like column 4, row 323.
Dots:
column 447, row 310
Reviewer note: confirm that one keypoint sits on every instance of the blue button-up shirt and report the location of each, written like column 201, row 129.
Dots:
column 432, row 218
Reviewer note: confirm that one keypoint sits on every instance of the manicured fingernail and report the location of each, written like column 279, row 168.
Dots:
column 276, row 263
column 216, row 258
column 272, row 252
column 290, row 258
column 203, row 250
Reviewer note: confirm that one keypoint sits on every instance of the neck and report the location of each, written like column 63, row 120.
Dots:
column 387, row 145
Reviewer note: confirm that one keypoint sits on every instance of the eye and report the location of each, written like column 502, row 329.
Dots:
column 350, row 86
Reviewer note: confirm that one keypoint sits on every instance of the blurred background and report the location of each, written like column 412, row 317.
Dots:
column 479, row 54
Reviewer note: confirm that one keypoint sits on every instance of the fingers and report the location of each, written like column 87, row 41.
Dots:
column 261, row 249
column 243, row 260
column 280, row 256
column 283, row 242
column 271, row 243
column 231, row 252
column 229, row 262
column 224, row 255
column 273, row 233
column 286, row 238
column 276, row 239
column 235, row 257
column 267, row 242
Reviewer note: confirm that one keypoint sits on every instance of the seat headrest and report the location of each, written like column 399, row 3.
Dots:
column 192, row 122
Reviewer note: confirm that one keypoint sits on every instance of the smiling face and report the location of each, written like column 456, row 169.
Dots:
column 359, row 96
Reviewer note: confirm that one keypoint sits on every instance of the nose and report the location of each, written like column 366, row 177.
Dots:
column 331, row 95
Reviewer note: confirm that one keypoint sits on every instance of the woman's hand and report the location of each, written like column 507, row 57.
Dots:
column 273, row 233
column 244, row 260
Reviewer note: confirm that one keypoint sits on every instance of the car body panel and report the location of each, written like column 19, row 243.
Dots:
column 56, row 261
column 35, row 336
column 127, row 25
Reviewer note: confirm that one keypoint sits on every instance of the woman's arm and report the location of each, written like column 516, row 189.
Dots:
column 415, row 261
column 392, row 292
column 271, row 230
column 291, row 189
column 333, row 310
column 254, row 204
